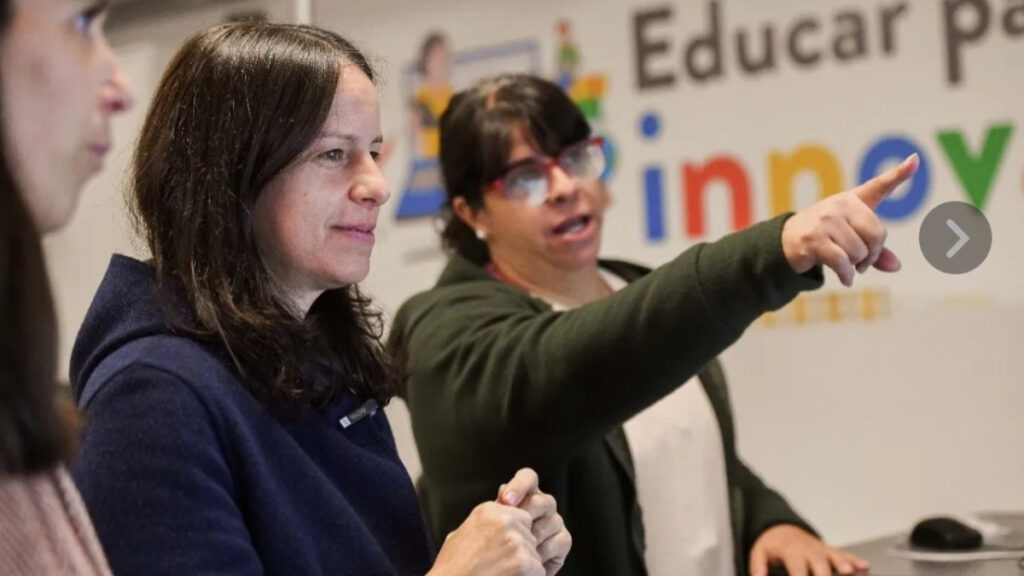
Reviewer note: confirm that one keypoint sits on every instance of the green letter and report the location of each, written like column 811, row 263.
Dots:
column 976, row 173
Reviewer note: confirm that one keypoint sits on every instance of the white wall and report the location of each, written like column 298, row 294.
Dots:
column 869, row 428
column 865, row 426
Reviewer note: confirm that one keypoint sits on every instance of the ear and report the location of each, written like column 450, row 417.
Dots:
column 472, row 217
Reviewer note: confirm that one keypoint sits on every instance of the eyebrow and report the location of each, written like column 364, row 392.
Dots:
column 348, row 137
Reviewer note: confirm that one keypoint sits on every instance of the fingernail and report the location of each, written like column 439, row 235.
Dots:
column 511, row 497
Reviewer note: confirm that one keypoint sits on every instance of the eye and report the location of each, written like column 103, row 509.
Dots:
column 527, row 181
column 85, row 22
column 579, row 154
column 375, row 156
column 335, row 155
column 573, row 159
column 584, row 161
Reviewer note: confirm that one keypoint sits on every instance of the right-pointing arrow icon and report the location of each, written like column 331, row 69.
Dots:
column 973, row 238
column 962, row 236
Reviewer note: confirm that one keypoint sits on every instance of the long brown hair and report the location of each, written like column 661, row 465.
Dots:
column 236, row 106
column 35, row 432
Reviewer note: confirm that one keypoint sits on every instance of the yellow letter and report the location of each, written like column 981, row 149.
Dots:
column 783, row 169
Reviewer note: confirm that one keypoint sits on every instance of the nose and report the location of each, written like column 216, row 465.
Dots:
column 116, row 93
column 369, row 187
column 563, row 187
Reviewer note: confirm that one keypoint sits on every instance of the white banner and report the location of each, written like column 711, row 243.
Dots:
column 723, row 113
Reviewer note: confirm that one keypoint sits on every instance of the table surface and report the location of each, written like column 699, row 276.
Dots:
column 885, row 564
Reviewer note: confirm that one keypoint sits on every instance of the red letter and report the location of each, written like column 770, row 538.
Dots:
column 695, row 180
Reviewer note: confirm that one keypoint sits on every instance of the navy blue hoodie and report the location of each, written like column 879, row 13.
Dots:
column 184, row 472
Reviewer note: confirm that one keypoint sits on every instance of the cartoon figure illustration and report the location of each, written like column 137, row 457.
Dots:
column 436, row 71
column 433, row 94
column 424, row 192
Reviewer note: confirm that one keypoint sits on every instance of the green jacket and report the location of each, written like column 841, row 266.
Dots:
column 498, row 381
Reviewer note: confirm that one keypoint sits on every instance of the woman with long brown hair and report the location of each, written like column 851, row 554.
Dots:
column 60, row 86
column 234, row 384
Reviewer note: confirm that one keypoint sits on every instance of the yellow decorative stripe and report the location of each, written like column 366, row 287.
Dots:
column 839, row 307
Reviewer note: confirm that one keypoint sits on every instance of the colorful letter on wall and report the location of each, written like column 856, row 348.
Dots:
column 976, row 173
column 695, row 181
column 783, row 170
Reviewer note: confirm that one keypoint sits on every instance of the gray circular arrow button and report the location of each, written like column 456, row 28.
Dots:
column 955, row 237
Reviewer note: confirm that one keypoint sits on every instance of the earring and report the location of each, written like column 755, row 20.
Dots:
column 481, row 235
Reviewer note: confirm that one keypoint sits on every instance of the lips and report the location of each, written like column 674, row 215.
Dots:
column 572, row 225
column 367, row 227
column 100, row 149
column 360, row 232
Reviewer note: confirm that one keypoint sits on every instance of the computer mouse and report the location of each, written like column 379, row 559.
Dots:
column 942, row 533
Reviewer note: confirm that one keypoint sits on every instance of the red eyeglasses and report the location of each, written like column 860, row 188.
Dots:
column 530, row 181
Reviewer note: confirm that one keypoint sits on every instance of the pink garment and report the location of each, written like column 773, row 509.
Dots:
column 45, row 529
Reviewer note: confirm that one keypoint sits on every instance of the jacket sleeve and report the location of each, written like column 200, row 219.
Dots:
column 153, row 474
column 534, row 385
column 764, row 508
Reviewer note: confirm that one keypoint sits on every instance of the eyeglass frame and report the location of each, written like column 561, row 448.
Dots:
column 547, row 163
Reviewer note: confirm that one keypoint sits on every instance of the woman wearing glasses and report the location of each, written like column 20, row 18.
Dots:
column 530, row 350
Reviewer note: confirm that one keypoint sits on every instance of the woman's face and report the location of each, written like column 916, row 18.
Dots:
column 314, row 223
column 436, row 65
column 61, row 86
column 563, row 232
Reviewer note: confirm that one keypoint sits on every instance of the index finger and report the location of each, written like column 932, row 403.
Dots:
column 875, row 191
column 524, row 482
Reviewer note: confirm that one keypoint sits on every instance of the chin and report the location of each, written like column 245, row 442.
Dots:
column 576, row 257
column 55, row 216
column 589, row 255
column 345, row 276
column 579, row 261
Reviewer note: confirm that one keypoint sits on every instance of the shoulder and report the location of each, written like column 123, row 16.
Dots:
column 176, row 357
column 181, row 378
column 154, row 416
column 464, row 300
column 463, row 306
